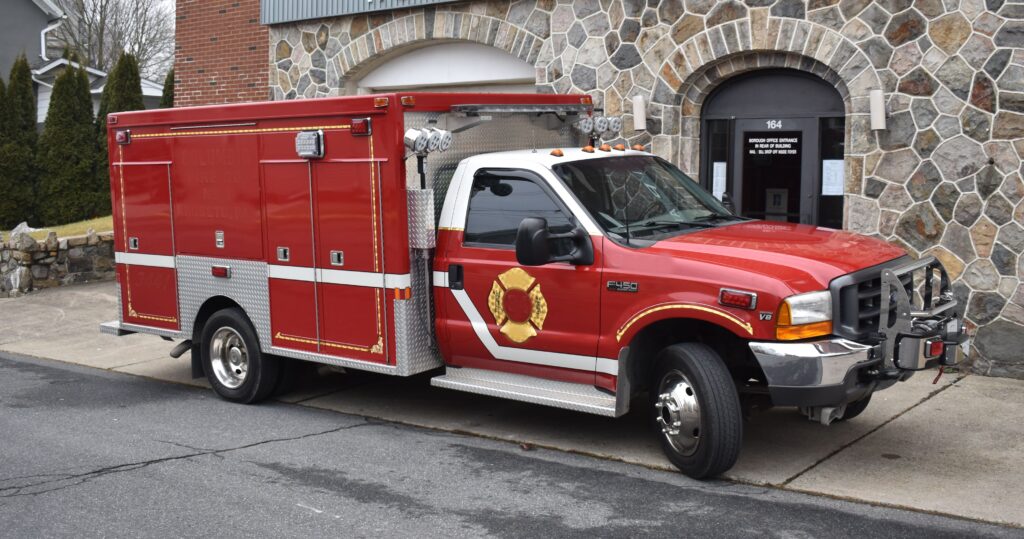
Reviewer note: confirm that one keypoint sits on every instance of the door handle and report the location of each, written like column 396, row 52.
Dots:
column 455, row 276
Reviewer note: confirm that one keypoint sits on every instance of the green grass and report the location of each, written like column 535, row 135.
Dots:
column 99, row 224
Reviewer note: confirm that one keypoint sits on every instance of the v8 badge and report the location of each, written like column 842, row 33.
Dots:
column 765, row 315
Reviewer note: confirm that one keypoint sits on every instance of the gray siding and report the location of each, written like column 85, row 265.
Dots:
column 280, row 11
column 20, row 25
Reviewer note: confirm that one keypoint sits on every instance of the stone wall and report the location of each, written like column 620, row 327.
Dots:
column 27, row 265
column 943, row 179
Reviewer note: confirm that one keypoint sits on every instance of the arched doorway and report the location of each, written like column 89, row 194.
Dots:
column 773, row 142
column 451, row 67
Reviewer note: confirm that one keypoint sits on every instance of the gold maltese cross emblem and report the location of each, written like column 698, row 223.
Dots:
column 518, row 305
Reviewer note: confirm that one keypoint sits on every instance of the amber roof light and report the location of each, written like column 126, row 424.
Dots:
column 638, row 147
column 557, row 153
column 588, row 149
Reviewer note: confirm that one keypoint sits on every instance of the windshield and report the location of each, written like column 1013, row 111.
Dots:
column 643, row 196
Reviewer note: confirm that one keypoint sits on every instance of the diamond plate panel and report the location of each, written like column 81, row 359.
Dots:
column 415, row 349
column 247, row 287
column 422, row 232
column 475, row 135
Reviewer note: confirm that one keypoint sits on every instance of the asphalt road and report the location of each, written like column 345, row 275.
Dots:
column 90, row 453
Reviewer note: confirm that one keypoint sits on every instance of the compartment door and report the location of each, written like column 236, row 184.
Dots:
column 350, row 272
column 145, row 244
column 291, row 282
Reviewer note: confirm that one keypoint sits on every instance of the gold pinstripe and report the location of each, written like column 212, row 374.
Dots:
column 636, row 317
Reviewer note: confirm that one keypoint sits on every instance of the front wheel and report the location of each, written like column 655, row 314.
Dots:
column 232, row 360
column 696, row 410
column 855, row 408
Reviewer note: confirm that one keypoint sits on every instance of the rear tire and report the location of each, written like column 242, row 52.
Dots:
column 695, row 410
column 234, row 365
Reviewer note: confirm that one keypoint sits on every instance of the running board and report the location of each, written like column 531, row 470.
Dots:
column 577, row 397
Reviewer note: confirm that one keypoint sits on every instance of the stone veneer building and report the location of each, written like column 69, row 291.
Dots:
column 721, row 80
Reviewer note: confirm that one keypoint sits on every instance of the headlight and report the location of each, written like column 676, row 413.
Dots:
column 804, row 315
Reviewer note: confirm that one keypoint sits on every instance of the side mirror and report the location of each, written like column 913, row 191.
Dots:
column 533, row 244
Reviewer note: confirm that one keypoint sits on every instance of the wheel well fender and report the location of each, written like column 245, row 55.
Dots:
column 650, row 340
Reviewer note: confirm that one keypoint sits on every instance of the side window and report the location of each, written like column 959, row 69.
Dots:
column 501, row 199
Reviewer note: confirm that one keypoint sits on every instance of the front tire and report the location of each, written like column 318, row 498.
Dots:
column 234, row 365
column 695, row 410
column 855, row 408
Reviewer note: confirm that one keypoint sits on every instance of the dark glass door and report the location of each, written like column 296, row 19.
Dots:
column 776, row 174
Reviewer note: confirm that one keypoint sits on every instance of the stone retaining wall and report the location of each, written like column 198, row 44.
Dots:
column 27, row 265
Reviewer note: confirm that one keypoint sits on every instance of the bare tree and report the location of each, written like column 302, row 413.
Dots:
column 100, row 30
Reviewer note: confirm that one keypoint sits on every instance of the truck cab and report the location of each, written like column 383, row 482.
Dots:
column 609, row 267
column 493, row 240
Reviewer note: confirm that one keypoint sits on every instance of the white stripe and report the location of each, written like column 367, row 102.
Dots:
column 397, row 280
column 139, row 259
column 291, row 273
column 345, row 277
column 352, row 278
column 522, row 355
column 441, row 279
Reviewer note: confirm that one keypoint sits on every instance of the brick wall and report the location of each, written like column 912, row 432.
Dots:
column 221, row 54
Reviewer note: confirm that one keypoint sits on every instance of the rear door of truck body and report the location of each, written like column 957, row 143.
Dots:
column 144, row 234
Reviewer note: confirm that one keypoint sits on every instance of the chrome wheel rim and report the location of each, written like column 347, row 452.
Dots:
column 677, row 413
column 229, row 357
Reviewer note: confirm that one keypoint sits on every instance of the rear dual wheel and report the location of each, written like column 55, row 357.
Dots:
column 234, row 365
column 695, row 410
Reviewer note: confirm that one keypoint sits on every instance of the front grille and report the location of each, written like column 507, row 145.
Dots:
column 857, row 302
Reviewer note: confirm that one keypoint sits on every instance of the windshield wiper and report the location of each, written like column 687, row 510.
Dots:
column 719, row 217
column 674, row 224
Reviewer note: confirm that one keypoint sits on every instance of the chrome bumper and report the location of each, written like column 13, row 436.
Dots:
column 810, row 364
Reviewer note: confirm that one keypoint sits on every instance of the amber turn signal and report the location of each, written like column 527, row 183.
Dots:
column 605, row 148
column 588, row 149
column 638, row 147
column 803, row 331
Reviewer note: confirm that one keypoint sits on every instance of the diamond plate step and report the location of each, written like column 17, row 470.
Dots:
column 578, row 397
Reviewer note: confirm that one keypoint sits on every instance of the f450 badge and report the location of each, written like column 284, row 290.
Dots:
column 623, row 286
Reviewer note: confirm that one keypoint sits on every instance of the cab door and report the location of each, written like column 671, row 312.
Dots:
column 540, row 321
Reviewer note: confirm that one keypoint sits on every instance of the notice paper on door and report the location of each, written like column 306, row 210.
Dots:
column 832, row 182
column 718, row 179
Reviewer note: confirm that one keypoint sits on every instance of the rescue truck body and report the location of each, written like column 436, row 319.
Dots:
column 490, row 238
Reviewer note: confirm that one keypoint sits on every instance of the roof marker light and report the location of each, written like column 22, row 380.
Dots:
column 605, row 148
column 620, row 147
column 588, row 149
column 408, row 101
column 638, row 147
column 557, row 153
column 381, row 102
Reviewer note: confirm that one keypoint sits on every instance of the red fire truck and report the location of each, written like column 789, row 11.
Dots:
column 493, row 239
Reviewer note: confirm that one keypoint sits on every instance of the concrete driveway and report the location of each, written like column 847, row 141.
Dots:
column 955, row 447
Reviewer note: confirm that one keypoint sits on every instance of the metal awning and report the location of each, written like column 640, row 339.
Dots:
column 282, row 11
